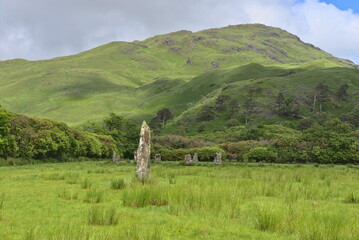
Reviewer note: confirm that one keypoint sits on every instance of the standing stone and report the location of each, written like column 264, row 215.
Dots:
column 195, row 158
column 135, row 156
column 143, row 153
column 218, row 159
column 188, row 159
column 158, row 158
column 115, row 157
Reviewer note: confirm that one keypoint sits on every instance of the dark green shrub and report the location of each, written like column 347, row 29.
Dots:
column 258, row 154
column 204, row 153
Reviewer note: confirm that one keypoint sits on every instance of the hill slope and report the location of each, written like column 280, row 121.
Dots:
column 139, row 78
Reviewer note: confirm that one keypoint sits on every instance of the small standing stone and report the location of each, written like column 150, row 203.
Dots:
column 115, row 157
column 135, row 156
column 158, row 158
column 188, row 159
column 144, row 153
column 195, row 158
column 218, row 159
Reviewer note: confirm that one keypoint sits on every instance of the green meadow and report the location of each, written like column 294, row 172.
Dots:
column 101, row 200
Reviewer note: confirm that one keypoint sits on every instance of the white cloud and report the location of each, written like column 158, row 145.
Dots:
column 40, row 29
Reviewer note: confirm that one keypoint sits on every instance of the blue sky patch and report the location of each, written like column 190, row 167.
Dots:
column 345, row 4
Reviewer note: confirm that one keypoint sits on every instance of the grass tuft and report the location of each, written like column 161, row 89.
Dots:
column 144, row 196
column 68, row 194
column 102, row 217
column 93, row 196
column 86, row 183
column 351, row 198
column 267, row 219
column 117, row 184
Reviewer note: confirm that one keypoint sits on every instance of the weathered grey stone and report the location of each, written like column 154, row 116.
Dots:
column 218, row 159
column 143, row 153
column 158, row 158
column 115, row 157
column 188, row 159
column 135, row 156
column 195, row 158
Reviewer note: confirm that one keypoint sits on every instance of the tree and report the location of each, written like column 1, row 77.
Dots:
column 286, row 106
column 321, row 94
column 124, row 132
column 342, row 93
column 8, row 145
column 161, row 118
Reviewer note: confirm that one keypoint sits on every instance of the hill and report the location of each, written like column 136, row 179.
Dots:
column 168, row 71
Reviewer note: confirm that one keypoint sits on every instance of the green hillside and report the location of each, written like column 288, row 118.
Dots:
column 174, row 71
column 266, row 95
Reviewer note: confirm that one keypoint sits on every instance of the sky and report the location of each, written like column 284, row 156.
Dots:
column 42, row 29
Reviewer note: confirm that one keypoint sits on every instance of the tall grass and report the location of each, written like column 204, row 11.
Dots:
column 100, row 216
column 117, row 184
column 93, row 196
column 267, row 218
column 86, row 183
column 143, row 196
column 2, row 199
column 351, row 198
column 234, row 202
column 68, row 194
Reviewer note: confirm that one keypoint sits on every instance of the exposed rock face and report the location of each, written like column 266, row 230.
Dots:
column 188, row 159
column 195, row 158
column 115, row 157
column 143, row 153
column 158, row 158
column 218, row 159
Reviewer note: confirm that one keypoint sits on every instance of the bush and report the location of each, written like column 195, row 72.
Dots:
column 204, row 153
column 237, row 149
column 176, row 141
column 44, row 139
column 258, row 154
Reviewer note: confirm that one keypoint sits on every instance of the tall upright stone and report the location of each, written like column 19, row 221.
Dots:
column 218, row 158
column 158, row 157
column 135, row 156
column 143, row 153
column 195, row 158
column 115, row 157
column 188, row 159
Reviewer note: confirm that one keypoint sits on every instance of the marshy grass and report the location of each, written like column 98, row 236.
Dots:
column 267, row 219
column 117, row 184
column 236, row 201
column 352, row 198
column 68, row 194
column 102, row 216
column 54, row 176
column 2, row 199
column 143, row 196
column 86, row 183
column 93, row 196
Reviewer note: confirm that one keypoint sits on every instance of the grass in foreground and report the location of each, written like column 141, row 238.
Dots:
column 236, row 201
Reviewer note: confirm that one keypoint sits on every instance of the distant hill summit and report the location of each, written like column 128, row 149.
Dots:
column 167, row 71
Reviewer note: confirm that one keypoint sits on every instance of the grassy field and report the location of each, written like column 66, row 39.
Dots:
column 99, row 200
